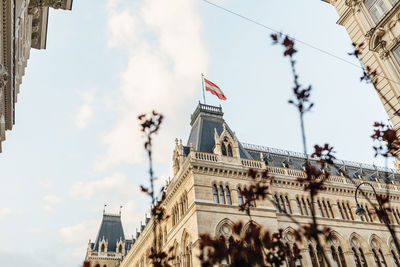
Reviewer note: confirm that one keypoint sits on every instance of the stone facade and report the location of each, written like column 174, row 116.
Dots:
column 204, row 195
column 23, row 25
column 376, row 24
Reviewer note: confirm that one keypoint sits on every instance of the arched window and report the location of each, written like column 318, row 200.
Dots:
column 97, row 265
column 299, row 206
column 228, row 195
column 215, row 194
column 240, row 198
column 120, row 249
column 104, row 265
column 230, row 154
column 313, row 256
column 223, row 150
column 103, row 248
column 221, row 195
column 288, row 208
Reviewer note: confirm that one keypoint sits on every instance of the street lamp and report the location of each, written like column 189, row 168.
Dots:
column 360, row 211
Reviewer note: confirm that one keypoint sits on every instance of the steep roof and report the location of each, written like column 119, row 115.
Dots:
column 204, row 121
column 111, row 229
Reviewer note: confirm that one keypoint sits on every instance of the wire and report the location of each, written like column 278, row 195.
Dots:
column 293, row 38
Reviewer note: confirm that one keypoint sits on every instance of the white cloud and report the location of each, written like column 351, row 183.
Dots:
column 116, row 184
column 4, row 212
column 165, row 60
column 78, row 236
column 49, row 208
column 52, row 199
column 46, row 183
column 85, row 112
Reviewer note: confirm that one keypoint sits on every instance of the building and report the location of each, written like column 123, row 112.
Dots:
column 375, row 23
column 110, row 245
column 204, row 195
column 24, row 26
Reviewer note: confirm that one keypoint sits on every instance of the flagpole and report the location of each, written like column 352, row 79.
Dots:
column 202, row 83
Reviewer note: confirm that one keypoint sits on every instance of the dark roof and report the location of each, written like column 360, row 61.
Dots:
column 295, row 160
column 204, row 121
column 111, row 229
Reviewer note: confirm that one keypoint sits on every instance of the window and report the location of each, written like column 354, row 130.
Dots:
column 223, row 150
column 377, row 8
column 321, row 260
column 288, row 208
column 309, row 207
column 341, row 257
column 320, row 209
column 325, row 209
column 362, row 257
column 340, row 210
column 228, row 195
column 283, row 208
column 299, row 206
column 335, row 257
column 221, row 195
column 240, row 198
column 356, row 258
column 304, row 206
column 278, row 208
column 215, row 194
column 331, row 210
column 395, row 258
column 313, row 256
column 230, row 154
column 351, row 213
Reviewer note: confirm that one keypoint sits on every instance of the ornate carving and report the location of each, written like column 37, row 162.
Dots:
column 3, row 76
column 354, row 4
column 46, row 3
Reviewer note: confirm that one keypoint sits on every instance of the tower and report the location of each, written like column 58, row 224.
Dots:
column 110, row 246
column 376, row 25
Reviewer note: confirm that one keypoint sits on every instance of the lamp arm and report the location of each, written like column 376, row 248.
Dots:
column 373, row 188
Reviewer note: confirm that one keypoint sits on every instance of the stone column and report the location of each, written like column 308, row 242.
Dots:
column 349, row 258
column 369, row 257
column 389, row 260
column 305, row 257
column 329, row 256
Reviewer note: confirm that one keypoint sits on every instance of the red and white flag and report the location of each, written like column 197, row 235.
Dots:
column 214, row 89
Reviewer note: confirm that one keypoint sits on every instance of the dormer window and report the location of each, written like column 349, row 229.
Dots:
column 103, row 248
column 226, row 148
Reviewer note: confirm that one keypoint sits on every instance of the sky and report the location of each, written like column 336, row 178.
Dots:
column 76, row 144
